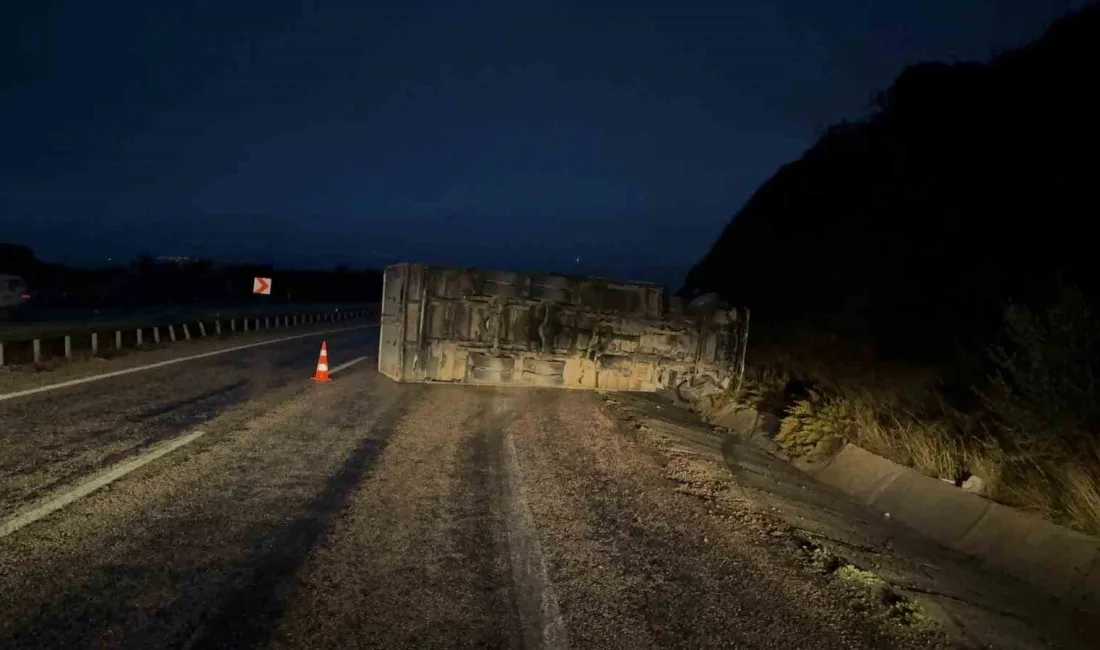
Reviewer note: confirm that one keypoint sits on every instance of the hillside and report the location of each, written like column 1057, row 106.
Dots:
column 971, row 185
column 923, row 282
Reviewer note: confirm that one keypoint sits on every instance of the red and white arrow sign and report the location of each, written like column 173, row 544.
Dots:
column 261, row 286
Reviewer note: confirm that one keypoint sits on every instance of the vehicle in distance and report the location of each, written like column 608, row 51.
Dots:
column 476, row 326
column 13, row 295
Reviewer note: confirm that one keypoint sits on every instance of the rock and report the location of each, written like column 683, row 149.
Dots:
column 749, row 422
column 974, row 485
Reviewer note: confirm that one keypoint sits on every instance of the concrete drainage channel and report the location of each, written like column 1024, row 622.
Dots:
column 94, row 342
column 1062, row 562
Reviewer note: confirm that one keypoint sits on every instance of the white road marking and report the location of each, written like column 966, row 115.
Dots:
column 49, row 505
column 161, row 364
column 344, row 366
column 52, row 504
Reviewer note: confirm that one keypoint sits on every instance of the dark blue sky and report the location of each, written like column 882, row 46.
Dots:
column 507, row 134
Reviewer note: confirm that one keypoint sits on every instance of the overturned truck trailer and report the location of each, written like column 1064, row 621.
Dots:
column 497, row 328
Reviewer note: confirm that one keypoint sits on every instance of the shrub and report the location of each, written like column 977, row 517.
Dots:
column 1033, row 437
column 1045, row 392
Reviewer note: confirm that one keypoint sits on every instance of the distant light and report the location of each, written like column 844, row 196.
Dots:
column 26, row 296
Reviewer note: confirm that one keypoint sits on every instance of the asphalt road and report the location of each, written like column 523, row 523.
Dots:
column 364, row 513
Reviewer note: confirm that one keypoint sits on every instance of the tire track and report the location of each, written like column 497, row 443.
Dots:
column 252, row 609
column 420, row 557
column 536, row 600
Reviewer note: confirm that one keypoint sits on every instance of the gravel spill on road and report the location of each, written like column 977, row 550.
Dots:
column 369, row 514
column 891, row 570
column 420, row 557
column 638, row 564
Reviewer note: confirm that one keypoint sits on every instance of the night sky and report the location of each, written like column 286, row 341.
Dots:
column 610, row 138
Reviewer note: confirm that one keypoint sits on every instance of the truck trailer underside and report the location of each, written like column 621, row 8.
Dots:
column 496, row 328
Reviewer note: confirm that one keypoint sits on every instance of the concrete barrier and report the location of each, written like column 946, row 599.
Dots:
column 1063, row 562
column 859, row 473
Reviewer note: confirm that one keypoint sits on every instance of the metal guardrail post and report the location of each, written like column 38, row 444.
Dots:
column 218, row 327
column 118, row 339
column 68, row 347
column 172, row 333
column 186, row 332
column 139, row 334
column 1, row 355
column 202, row 329
column 95, row 343
column 156, row 335
column 37, row 347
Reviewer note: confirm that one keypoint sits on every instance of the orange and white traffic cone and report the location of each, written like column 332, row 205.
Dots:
column 322, row 364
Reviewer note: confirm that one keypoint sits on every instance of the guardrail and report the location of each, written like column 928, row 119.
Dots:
column 108, row 341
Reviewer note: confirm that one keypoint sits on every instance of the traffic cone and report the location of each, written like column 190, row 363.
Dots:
column 322, row 364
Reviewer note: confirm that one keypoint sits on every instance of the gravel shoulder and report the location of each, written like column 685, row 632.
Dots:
column 639, row 563
column 743, row 483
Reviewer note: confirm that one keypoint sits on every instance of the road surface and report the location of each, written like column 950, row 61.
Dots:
column 364, row 513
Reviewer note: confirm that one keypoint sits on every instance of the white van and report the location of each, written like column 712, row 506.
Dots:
column 13, row 294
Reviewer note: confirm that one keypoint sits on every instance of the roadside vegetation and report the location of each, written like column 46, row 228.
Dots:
column 1027, row 435
column 925, row 287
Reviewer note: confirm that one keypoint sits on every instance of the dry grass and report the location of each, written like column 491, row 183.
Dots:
column 1032, row 436
column 1033, row 441
column 1081, row 487
column 1057, row 486
column 819, row 424
column 1031, row 432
